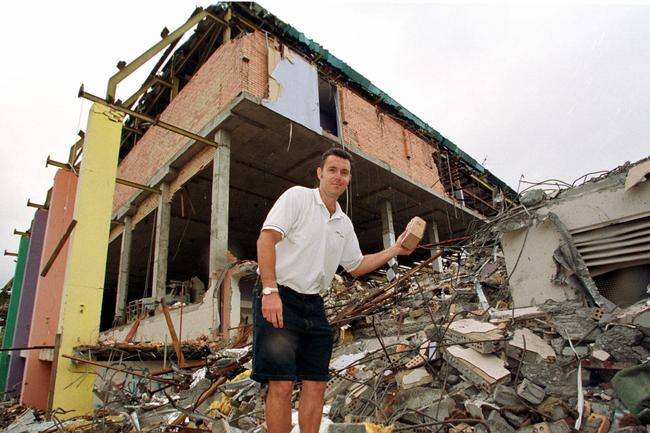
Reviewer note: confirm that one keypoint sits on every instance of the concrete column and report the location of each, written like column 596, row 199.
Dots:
column 387, row 227
column 163, row 221
column 123, row 275
column 220, row 206
column 219, row 221
column 85, row 270
column 434, row 238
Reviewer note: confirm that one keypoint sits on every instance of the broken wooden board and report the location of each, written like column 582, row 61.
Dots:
column 481, row 369
column 475, row 333
column 535, row 347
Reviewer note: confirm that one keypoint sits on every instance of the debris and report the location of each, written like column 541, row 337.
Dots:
column 530, row 392
column 532, row 346
column 411, row 378
column 483, row 370
column 532, row 197
column 481, row 336
column 423, row 352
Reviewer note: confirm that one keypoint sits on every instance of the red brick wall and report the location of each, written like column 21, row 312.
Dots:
column 241, row 65
column 236, row 66
column 383, row 137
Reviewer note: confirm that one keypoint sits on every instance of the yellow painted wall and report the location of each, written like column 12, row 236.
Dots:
column 86, row 263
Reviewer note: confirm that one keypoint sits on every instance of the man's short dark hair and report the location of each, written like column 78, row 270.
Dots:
column 336, row 151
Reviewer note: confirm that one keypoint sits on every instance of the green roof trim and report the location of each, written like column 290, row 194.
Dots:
column 285, row 30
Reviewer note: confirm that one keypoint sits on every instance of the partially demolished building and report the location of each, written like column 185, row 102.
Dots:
column 135, row 278
column 165, row 191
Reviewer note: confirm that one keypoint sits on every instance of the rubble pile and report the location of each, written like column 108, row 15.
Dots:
column 428, row 351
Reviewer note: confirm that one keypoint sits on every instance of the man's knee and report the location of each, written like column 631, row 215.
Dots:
column 280, row 389
column 314, row 387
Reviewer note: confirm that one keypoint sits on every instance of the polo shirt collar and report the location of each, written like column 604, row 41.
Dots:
column 337, row 214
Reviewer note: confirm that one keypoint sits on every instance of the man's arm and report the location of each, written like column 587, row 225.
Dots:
column 271, row 304
column 370, row 262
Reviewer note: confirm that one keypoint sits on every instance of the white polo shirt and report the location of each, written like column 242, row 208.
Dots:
column 313, row 244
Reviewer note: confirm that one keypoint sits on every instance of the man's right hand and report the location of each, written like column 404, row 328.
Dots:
column 272, row 309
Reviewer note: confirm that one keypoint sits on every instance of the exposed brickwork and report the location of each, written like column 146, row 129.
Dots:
column 236, row 66
column 383, row 137
column 241, row 65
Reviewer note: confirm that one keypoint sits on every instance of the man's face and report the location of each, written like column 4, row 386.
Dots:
column 334, row 176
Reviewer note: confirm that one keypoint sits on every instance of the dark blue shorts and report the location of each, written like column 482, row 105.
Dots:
column 301, row 350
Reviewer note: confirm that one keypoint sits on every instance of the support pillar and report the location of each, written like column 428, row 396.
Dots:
column 86, row 263
column 434, row 238
column 219, row 215
column 27, row 302
column 163, row 221
column 387, row 227
column 123, row 275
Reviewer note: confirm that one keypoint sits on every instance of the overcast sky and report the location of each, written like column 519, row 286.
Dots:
column 534, row 89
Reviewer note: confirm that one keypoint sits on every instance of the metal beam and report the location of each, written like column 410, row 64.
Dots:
column 67, row 166
column 19, row 233
column 153, row 120
column 36, row 205
column 58, row 248
column 128, row 69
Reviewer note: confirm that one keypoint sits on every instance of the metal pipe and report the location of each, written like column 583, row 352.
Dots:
column 136, row 185
column 154, row 121
column 19, row 233
column 66, row 166
column 26, row 348
column 124, row 370
column 58, row 248
column 36, row 205
column 8, row 253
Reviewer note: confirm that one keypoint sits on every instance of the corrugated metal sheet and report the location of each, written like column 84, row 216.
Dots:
column 615, row 246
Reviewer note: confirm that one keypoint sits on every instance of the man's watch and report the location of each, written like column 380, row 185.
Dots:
column 269, row 290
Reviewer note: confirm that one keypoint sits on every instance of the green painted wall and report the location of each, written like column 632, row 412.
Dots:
column 14, row 301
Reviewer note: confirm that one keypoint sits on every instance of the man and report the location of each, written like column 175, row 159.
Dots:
column 305, row 237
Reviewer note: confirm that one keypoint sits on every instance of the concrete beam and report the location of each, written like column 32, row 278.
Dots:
column 434, row 238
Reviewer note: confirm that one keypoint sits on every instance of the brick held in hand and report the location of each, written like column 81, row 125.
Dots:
column 415, row 232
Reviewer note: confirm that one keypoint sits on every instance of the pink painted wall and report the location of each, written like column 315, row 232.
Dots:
column 36, row 380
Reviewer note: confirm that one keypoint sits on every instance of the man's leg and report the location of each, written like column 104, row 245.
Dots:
column 278, row 406
column 311, row 405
